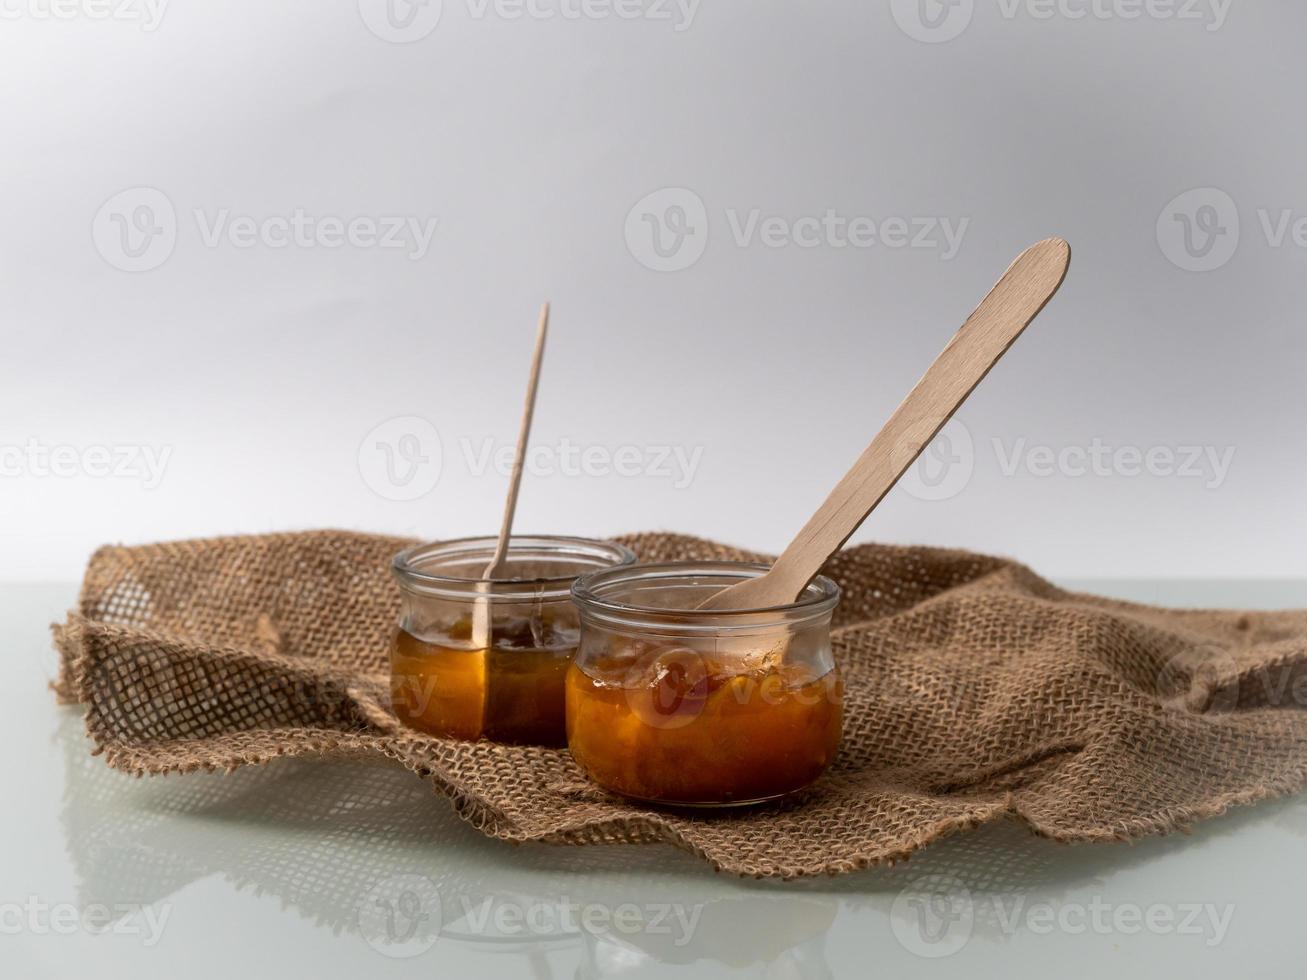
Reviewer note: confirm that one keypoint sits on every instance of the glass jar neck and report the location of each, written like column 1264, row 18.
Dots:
column 536, row 567
column 665, row 598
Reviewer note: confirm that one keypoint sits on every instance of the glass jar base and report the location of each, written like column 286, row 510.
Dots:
column 728, row 805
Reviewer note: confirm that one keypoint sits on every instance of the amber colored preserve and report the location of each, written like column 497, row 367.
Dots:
column 512, row 692
column 509, row 689
column 674, row 725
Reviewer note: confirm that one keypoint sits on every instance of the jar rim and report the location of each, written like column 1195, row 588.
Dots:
column 819, row 597
column 411, row 567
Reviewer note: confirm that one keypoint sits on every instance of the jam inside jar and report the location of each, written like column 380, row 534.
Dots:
column 445, row 680
column 667, row 703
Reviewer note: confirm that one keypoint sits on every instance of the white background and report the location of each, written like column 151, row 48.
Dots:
column 261, row 371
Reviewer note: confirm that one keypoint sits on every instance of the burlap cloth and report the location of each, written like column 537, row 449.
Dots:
column 974, row 690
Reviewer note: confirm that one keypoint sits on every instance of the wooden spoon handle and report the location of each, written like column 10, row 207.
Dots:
column 481, row 619
column 495, row 567
column 998, row 321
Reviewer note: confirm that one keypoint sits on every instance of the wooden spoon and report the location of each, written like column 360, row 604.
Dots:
column 1015, row 300
column 481, row 608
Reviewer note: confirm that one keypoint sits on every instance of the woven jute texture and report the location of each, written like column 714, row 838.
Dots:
column 975, row 690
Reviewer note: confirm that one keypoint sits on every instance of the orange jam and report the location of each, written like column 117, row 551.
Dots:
column 511, row 692
column 674, row 725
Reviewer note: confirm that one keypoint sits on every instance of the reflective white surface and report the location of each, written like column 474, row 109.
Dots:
column 323, row 870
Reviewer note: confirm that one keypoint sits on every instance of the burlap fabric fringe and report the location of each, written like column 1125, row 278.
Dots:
column 975, row 690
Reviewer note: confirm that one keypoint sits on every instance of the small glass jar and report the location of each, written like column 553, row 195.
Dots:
column 667, row 703
column 446, row 681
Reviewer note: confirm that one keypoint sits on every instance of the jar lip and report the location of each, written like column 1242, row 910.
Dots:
column 819, row 597
column 409, row 566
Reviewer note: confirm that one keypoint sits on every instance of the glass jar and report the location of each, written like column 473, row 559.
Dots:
column 667, row 703
column 446, row 681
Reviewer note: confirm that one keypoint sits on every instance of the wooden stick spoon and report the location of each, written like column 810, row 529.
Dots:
column 481, row 608
column 1015, row 300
